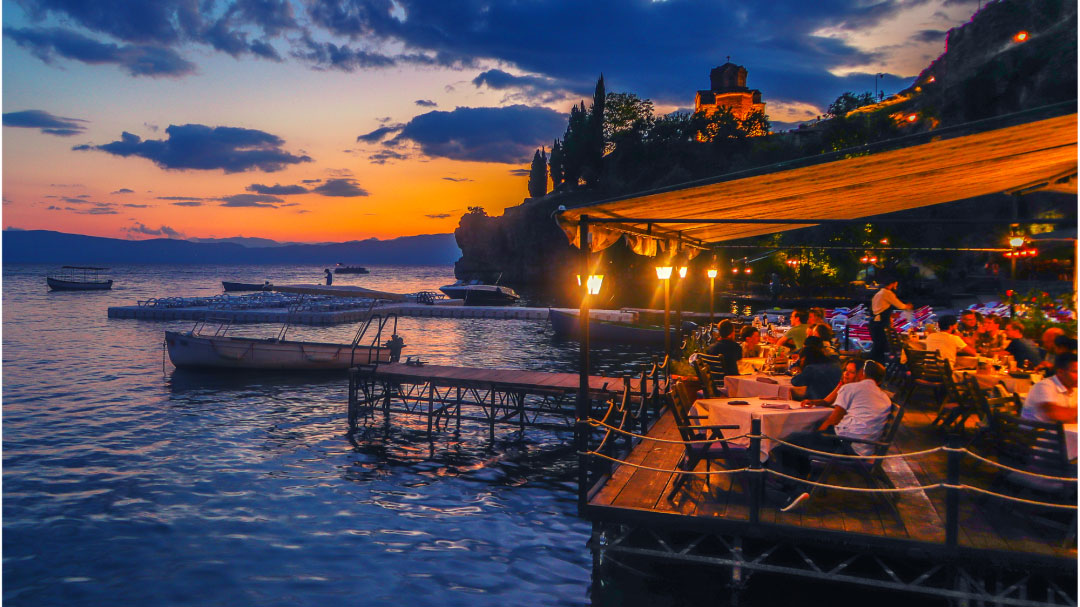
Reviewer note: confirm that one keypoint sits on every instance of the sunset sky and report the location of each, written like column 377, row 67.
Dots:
column 334, row 120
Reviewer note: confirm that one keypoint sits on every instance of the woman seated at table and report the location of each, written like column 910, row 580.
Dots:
column 818, row 375
column 751, row 342
column 990, row 338
column 728, row 347
column 849, row 373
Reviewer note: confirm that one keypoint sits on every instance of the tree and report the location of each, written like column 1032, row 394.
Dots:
column 594, row 137
column 849, row 101
column 556, row 164
column 479, row 211
column 755, row 124
column 538, row 174
column 625, row 112
column 575, row 145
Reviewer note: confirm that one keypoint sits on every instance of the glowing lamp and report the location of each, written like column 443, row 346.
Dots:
column 747, row 270
column 873, row 260
column 711, row 272
column 682, row 271
column 1016, row 241
column 885, row 241
column 1021, row 36
column 663, row 272
column 592, row 283
column 865, row 259
column 912, row 117
column 734, row 270
column 932, row 79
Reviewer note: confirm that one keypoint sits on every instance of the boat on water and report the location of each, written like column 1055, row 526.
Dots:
column 246, row 286
column 78, row 278
column 567, row 326
column 476, row 294
column 204, row 347
column 340, row 269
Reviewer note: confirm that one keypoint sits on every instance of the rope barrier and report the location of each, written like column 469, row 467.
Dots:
column 855, row 489
column 597, row 423
column 1016, row 499
column 846, row 456
column 675, row 471
column 1064, row 479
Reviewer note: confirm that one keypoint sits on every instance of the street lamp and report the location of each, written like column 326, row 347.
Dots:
column 711, row 273
column 1015, row 241
column 663, row 272
column 592, row 283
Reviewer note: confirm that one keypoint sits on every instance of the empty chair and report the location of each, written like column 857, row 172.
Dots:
column 692, row 433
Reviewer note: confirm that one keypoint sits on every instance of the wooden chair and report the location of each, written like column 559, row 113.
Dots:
column 986, row 435
column 926, row 370
column 870, row 469
column 961, row 402
column 710, row 370
column 691, row 430
column 894, row 369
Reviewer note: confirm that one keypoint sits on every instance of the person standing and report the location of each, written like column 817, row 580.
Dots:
column 885, row 300
column 329, row 277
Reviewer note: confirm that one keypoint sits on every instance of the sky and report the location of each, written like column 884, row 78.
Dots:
column 336, row 120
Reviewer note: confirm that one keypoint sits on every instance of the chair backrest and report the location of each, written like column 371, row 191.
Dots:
column 682, row 403
column 927, row 365
column 896, row 345
column 710, row 370
column 888, row 433
column 1032, row 445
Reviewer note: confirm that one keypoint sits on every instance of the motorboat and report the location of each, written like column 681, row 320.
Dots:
column 340, row 269
column 245, row 286
column 208, row 346
column 78, row 278
column 567, row 326
column 476, row 294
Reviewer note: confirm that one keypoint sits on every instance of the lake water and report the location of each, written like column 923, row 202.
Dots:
column 127, row 482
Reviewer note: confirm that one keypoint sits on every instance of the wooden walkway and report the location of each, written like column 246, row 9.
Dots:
column 527, row 381
column 984, row 525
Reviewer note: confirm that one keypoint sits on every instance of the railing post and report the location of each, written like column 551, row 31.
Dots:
column 755, row 466
column 581, row 428
column 952, row 493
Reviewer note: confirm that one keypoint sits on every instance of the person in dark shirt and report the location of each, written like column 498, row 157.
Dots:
column 728, row 347
column 819, row 374
column 1023, row 350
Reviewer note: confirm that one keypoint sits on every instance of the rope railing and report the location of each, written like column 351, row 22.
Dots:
column 596, row 423
column 1013, row 498
column 1064, row 479
column 855, row 489
column 654, row 469
column 853, row 456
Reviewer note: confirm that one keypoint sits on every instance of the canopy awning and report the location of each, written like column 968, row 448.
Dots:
column 1025, row 157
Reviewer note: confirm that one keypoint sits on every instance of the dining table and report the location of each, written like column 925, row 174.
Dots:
column 989, row 378
column 758, row 384
column 779, row 418
column 750, row 365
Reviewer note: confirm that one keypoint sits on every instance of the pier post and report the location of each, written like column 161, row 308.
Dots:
column 581, row 428
column 755, row 467
column 952, row 493
column 353, row 405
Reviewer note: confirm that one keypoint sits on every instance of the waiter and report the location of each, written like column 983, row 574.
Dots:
column 885, row 300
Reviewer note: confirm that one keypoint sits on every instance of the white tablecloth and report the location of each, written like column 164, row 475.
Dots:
column 1070, row 440
column 774, row 422
column 1020, row 385
column 748, row 385
column 750, row 365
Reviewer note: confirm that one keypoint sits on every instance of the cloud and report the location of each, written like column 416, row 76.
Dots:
column 188, row 198
column 485, row 134
column 520, row 172
column 382, row 156
column 137, row 206
column 425, row 103
column 142, row 229
column 327, row 55
column 311, row 181
column 540, row 88
column 437, row 215
column 49, row 124
column 123, row 191
column 199, row 147
column 457, row 179
column 380, row 133
column 277, row 189
column 347, row 188
column 188, row 203
column 138, row 60
column 250, row 200
column 92, row 208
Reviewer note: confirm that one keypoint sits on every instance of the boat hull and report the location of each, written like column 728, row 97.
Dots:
column 567, row 326
column 351, row 270
column 208, row 352
column 477, row 297
column 244, row 286
column 57, row 284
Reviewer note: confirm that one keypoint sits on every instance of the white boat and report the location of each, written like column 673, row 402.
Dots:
column 201, row 348
column 478, row 294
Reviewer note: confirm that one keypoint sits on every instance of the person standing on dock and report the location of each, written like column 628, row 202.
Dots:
column 881, row 307
column 329, row 277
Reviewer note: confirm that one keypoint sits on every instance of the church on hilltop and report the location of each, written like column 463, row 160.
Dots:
column 727, row 88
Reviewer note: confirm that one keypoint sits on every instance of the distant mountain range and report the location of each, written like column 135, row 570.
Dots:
column 44, row 246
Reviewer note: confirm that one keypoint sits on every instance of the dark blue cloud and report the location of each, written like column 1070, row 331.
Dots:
column 520, row 172
column 535, row 87
column 40, row 119
column 186, row 198
column 250, row 200
column 380, row 133
column 425, row 103
column 138, row 60
column 124, row 191
column 386, row 155
column 457, row 179
column 164, row 230
column 188, row 203
column 346, row 188
column 485, row 134
column 277, row 189
column 136, row 206
column 437, row 215
column 200, row 147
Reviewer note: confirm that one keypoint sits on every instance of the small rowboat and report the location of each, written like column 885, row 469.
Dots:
column 245, row 286
column 78, row 278
column 188, row 350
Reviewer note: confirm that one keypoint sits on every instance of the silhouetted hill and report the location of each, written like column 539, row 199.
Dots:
column 43, row 246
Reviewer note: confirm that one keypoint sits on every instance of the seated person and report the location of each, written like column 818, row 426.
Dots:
column 850, row 370
column 825, row 332
column 818, row 375
column 815, row 316
column 1048, row 348
column 969, row 325
column 728, row 347
column 990, row 338
column 1061, row 344
column 947, row 343
column 1054, row 398
column 751, row 342
column 1022, row 349
column 796, row 335
column 860, row 412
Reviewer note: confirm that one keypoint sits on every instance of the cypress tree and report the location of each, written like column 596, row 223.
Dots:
column 594, row 146
column 556, row 164
column 538, row 175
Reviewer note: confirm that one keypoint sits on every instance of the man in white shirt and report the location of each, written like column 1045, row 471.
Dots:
column 947, row 342
column 861, row 410
column 1054, row 398
column 881, row 307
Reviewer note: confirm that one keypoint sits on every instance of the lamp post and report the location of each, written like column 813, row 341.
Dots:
column 581, row 428
column 681, row 269
column 1015, row 241
column 664, row 273
column 711, row 272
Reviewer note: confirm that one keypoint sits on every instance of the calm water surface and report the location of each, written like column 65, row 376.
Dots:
column 127, row 484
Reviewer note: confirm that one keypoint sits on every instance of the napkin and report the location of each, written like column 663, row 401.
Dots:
column 767, row 380
column 775, row 406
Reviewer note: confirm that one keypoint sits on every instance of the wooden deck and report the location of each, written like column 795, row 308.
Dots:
column 987, row 526
column 526, row 381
